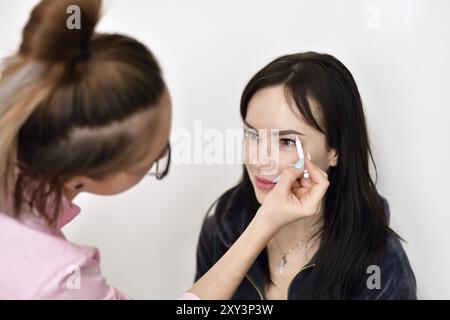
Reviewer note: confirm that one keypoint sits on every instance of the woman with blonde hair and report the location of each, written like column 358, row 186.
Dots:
column 89, row 112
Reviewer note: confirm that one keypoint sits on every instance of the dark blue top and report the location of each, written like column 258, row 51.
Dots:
column 396, row 276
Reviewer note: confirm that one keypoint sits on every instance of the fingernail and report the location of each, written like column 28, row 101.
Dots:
column 277, row 179
column 306, row 174
column 309, row 156
column 299, row 164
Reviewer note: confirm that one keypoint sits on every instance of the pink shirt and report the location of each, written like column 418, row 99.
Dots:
column 38, row 262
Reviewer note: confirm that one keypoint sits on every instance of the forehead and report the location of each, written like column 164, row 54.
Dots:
column 271, row 108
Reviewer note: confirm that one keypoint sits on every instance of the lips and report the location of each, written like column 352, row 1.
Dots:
column 264, row 184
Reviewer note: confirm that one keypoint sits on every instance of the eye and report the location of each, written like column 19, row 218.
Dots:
column 286, row 142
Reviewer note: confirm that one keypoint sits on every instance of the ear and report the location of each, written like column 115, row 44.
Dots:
column 333, row 158
column 75, row 184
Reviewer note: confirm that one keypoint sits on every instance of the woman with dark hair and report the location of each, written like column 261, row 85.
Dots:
column 347, row 251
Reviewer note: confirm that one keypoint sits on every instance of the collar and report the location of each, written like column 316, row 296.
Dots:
column 69, row 211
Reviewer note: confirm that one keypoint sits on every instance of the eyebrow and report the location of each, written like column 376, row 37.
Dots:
column 280, row 132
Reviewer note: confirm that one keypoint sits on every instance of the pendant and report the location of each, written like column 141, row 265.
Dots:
column 283, row 264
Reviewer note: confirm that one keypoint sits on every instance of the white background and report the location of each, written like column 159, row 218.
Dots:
column 398, row 52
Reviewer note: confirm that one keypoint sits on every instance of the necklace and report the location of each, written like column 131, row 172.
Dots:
column 284, row 262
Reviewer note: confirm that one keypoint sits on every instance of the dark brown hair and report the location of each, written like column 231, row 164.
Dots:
column 66, row 102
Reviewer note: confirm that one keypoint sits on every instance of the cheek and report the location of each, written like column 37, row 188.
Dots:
column 286, row 158
column 283, row 159
column 320, row 158
column 115, row 185
column 273, row 165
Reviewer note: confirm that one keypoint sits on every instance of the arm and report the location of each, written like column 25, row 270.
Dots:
column 222, row 280
column 281, row 206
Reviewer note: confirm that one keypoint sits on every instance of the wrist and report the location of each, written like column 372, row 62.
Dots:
column 265, row 223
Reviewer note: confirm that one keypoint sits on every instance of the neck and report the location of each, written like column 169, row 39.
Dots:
column 302, row 230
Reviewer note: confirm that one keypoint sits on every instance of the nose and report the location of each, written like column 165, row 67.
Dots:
column 263, row 160
column 266, row 158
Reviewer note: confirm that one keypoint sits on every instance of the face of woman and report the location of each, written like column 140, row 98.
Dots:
column 271, row 127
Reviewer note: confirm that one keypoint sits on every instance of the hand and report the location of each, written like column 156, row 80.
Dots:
column 287, row 202
column 290, row 201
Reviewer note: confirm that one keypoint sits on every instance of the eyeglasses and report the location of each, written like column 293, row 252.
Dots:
column 161, row 168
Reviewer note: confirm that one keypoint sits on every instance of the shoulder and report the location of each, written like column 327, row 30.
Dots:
column 209, row 226
column 226, row 219
column 208, row 238
column 398, row 268
column 39, row 264
column 397, row 279
column 220, row 228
